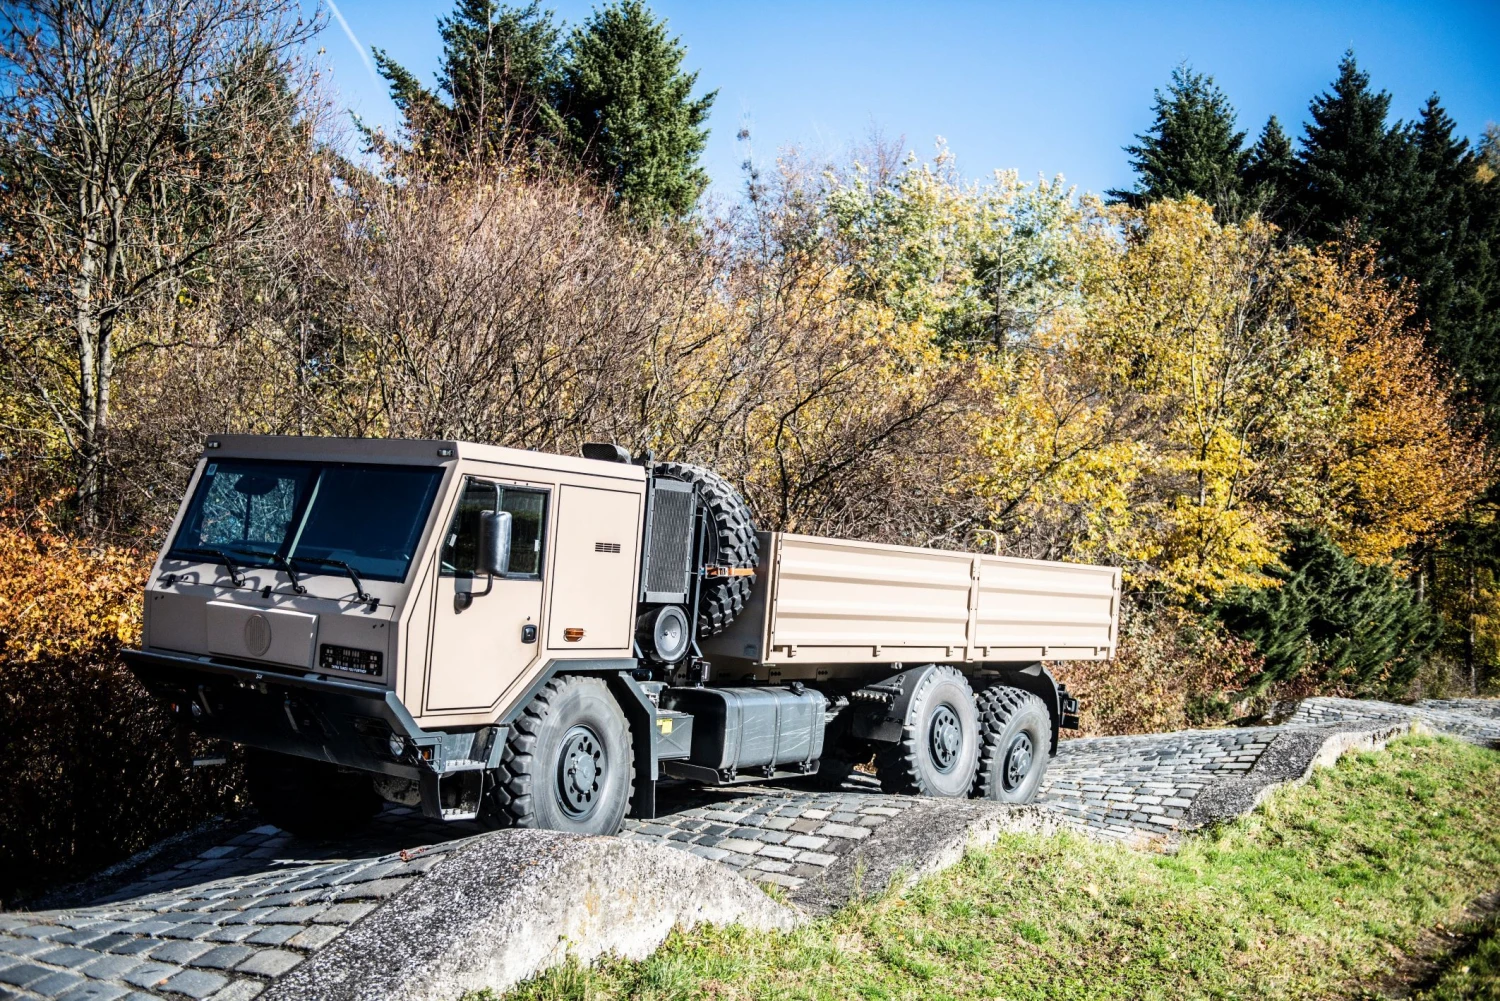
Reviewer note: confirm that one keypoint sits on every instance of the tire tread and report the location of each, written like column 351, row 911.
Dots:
column 998, row 705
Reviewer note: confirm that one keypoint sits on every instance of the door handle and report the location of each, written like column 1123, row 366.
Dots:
column 528, row 633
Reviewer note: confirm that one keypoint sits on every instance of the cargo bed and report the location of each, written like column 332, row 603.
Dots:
column 820, row 604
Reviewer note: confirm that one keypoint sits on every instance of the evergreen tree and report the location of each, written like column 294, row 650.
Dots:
column 628, row 112
column 1352, row 168
column 1270, row 170
column 497, row 67
column 1191, row 148
column 1354, row 624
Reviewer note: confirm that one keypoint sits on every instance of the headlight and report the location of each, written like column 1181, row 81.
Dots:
column 397, row 745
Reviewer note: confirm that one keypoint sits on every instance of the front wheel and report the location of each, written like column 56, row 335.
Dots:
column 1017, row 736
column 567, row 764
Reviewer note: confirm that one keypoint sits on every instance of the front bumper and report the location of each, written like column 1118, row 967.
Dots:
column 345, row 723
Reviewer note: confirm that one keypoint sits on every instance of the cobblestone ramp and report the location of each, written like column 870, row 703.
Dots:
column 231, row 919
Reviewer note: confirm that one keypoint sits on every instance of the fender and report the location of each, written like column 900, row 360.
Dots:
column 1036, row 679
column 881, row 710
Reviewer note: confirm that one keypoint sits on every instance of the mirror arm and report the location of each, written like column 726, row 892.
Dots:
column 463, row 599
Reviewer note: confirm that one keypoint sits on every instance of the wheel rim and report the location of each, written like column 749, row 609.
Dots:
column 1018, row 761
column 945, row 738
column 582, row 767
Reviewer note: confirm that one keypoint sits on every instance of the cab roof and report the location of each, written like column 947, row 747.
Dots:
column 408, row 451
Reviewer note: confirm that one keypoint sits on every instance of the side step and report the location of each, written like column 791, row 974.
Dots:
column 455, row 793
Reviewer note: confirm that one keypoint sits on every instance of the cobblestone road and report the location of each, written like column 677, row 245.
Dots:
column 233, row 916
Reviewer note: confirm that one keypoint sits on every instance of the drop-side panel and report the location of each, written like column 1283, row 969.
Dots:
column 1039, row 610
column 839, row 600
column 835, row 601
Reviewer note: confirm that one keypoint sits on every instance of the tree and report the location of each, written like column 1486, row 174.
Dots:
column 1398, row 457
column 1270, row 170
column 136, row 139
column 1447, row 242
column 1353, row 623
column 1191, row 148
column 628, row 113
column 497, row 67
column 1351, row 169
column 1489, row 154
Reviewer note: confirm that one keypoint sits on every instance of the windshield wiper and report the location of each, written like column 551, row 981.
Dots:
column 280, row 561
column 359, row 586
column 235, row 577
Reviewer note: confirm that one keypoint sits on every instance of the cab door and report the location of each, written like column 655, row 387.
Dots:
column 485, row 629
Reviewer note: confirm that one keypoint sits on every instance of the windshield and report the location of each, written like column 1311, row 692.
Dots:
column 255, row 512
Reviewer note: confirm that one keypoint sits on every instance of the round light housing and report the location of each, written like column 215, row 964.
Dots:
column 397, row 745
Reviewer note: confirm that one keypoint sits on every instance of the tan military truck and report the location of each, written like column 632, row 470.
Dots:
column 537, row 640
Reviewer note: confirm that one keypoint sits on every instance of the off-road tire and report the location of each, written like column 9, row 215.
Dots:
column 311, row 799
column 915, row 765
column 529, row 788
column 1016, row 738
column 732, row 543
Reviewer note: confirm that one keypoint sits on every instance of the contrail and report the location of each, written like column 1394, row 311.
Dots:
column 349, row 32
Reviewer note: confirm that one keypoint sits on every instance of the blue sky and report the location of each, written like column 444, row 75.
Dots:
column 1038, row 87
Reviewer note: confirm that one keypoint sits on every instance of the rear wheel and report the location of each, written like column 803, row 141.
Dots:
column 1016, row 734
column 311, row 799
column 567, row 764
column 938, row 752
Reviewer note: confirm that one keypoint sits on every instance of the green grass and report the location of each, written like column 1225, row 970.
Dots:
column 1321, row 893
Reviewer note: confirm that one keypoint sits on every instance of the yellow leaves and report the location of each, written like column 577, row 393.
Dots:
column 63, row 599
column 1403, row 458
column 1211, row 387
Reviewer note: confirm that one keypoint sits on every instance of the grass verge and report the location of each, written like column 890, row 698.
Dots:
column 1322, row 893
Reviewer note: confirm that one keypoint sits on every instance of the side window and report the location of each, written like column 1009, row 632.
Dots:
column 527, row 509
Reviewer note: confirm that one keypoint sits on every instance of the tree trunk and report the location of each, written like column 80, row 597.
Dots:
column 93, row 401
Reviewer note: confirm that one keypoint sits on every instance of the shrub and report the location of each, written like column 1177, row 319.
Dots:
column 1175, row 669
column 89, row 770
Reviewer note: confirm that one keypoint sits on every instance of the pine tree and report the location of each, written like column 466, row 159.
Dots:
column 1352, row 623
column 498, row 65
column 1351, row 168
column 1270, row 170
column 1431, row 216
column 629, row 115
column 1191, row 148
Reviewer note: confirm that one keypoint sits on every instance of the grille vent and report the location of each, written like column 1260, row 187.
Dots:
column 667, row 570
column 606, row 547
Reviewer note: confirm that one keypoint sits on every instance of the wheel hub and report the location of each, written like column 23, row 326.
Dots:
column 1018, row 761
column 581, row 768
column 945, row 738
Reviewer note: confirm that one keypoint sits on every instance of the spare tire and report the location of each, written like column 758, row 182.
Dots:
column 732, row 543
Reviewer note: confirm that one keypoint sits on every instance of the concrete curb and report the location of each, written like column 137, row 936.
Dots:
column 923, row 840
column 506, row 906
column 1291, row 759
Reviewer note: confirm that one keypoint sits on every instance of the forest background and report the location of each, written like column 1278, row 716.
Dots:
column 1265, row 380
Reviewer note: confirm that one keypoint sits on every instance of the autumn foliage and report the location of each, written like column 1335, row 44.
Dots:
column 877, row 351
column 92, row 767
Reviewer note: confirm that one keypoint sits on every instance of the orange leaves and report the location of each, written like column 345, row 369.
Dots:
column 64, row 599
column 1405, row 457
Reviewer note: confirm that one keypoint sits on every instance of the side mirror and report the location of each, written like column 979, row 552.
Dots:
column 494, row 542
